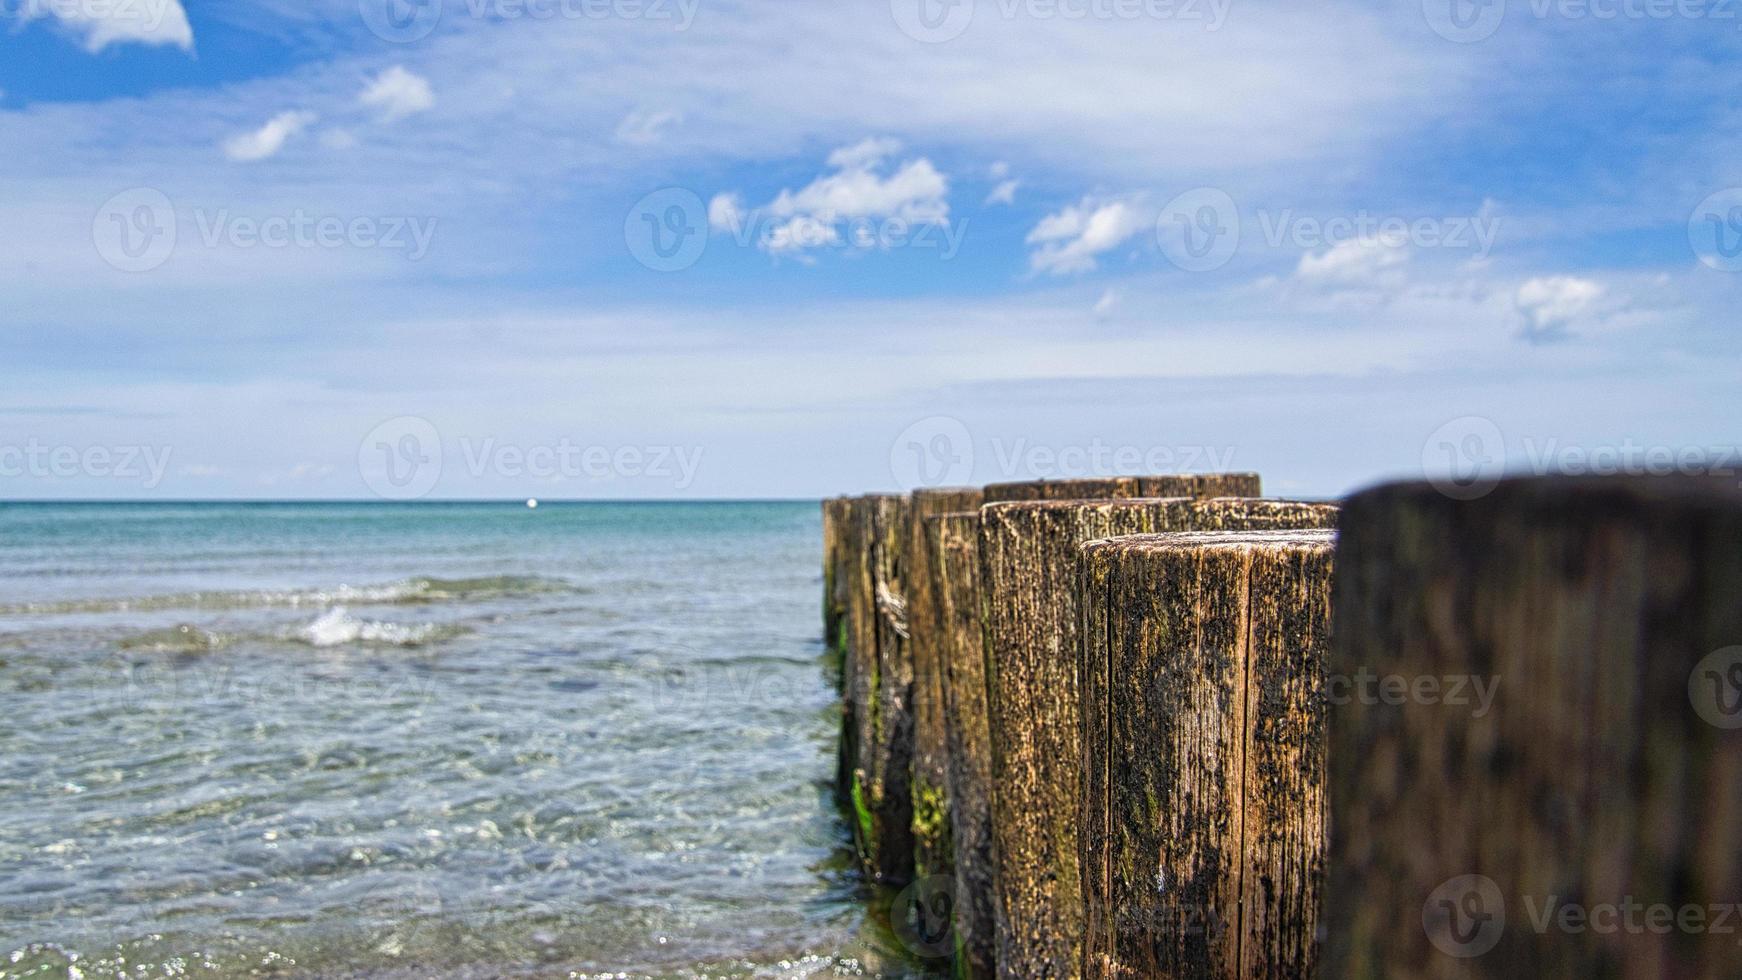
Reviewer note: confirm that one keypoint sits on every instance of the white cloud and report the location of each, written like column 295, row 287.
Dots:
column 646, row 128
column 1550, row 305
column 1073, row 239
column 726, row 213
column 1004, row 193
column 861, row 188
column 397, row 93
column 1355, row 262
column 1108, row 302
column 268, row 139
column 864, row 154
column 149, row 22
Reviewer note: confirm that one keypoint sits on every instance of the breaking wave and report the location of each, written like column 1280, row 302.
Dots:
column 412, row 591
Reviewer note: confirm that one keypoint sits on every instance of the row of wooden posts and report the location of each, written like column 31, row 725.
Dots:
column 1115, row 714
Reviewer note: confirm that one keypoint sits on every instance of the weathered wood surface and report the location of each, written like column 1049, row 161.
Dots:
column 1201, row 485
column 1596, row 775
column 1123, row 487
column 1029, row 555
column 1093, row 488
column 879, row 688
column 1202, row 842
column 933, row 852
column 837, row 525
column 953, row 540
column 851, row 571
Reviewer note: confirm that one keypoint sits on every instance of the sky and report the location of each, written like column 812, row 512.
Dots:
column 424, row 249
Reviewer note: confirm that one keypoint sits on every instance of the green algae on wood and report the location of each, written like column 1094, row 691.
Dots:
column 1203, row 736
column 1029, row 555
column 953, row 541
column 930, row 773
column 1590, row 774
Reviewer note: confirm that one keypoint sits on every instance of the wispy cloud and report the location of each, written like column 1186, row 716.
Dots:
column 268, row 139
column 397, row 93
column 1074, row 239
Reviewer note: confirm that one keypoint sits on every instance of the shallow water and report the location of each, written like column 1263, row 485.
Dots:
column 421, row 740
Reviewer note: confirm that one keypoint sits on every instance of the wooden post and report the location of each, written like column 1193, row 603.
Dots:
column 1204, row 752
column 879, row 690
column 837, row 522
column 1201, row 485
column 1124, row 487
column 1578, row 814
column 1097, row 488
column 954, row 543
column 858, row 656
column 1029, row 555
column 933, row 852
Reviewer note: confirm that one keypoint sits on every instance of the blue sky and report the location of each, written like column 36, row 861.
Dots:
column 265, row 244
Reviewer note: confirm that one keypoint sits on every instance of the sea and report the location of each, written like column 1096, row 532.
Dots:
column 423, row 740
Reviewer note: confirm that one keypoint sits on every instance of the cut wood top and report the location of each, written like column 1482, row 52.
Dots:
column 1720, row 491
column 1175, row 540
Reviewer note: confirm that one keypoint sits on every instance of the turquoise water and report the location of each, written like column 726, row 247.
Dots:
column 421, row 740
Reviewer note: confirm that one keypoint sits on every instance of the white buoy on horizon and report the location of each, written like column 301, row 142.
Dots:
column 532, row 503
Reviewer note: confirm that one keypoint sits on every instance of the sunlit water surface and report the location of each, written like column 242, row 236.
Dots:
column 420, row 740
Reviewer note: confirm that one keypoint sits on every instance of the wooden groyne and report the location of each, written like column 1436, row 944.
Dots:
column 1121, row 725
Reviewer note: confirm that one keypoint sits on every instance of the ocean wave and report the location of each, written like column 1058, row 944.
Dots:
column 337, row 627
column 184, row 638
column 411, row 591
